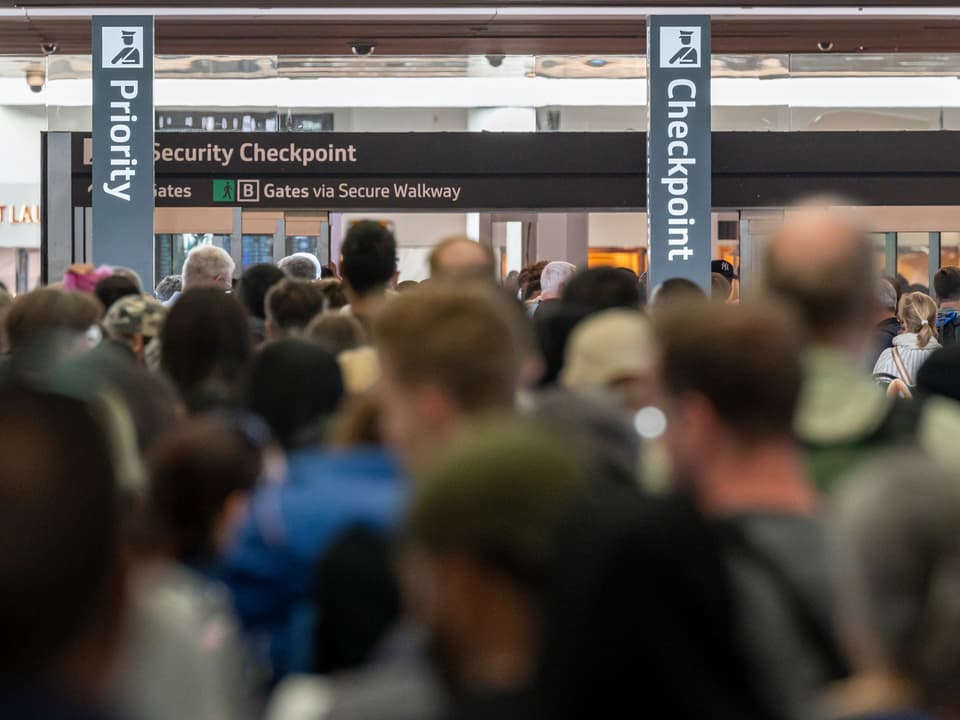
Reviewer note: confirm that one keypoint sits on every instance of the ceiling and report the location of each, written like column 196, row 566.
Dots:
column 478, row 27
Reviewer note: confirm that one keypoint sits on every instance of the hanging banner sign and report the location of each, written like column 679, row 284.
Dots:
column 679, row 149
column 122, row 143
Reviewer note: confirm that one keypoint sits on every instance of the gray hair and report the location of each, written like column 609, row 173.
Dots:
column 300, row 266
column 897, row 532
column 204, row 264
column 886, row 295
column 555, row 275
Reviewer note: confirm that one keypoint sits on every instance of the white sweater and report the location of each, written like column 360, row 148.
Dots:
column 913, row 357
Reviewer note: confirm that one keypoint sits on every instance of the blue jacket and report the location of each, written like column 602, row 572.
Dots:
column 288, row 530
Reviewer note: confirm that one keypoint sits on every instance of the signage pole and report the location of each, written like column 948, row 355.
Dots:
column 678, row 149
column 123, row 172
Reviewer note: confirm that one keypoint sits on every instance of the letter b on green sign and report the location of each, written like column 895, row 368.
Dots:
column 225, row 191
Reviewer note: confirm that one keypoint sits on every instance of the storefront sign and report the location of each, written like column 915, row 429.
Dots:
column 679, row 149
column 20, row 215
column 122, row 143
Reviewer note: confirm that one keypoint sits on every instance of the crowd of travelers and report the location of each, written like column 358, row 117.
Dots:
column 318, row 495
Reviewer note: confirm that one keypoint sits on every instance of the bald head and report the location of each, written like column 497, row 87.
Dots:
column 459, row 256
column 821, row 264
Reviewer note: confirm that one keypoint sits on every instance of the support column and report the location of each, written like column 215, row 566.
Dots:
column 563, row 236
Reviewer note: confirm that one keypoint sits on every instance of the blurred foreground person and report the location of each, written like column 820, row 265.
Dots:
column 62, row 581
column 183, row 657
column 206, row 348
column 368, row 266
column 47, row 326
column 447, row 354
column 821, row 267
column 731, row 379
column 897, row 570
column 254, row 284
column 459, row 256
column 912, row 347
column 479, row 535
column 641, row 620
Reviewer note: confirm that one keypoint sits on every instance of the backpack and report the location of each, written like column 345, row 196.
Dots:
column 948, row 321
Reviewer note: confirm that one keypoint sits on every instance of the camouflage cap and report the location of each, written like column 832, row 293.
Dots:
column 135, row 314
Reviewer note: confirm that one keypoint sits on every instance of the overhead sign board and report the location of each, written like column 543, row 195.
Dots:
column 122, row 143
column 679, row 200
column 415, row 171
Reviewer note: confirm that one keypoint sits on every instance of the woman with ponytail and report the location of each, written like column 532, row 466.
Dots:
column 912, row 347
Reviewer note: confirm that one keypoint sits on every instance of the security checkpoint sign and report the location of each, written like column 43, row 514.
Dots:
column 678, row 149
column 123, row 166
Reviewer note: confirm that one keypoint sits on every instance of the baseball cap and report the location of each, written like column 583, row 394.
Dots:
column 722, row 267
column 607, row 347
column 135, row 314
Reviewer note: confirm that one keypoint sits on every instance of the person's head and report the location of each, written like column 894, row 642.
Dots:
column 613, row 350
column 300, row 266
column 603, row 288
column 730, row 378
column 918, row 314
column 368, row 258
column 886, row 301
column 294, row 386
column 326, row 273
column 720, row 288
column 531, row 284
column 112, row 288
column 168, row 287
column 41, row 313
column 333, row 293
column 820, row 265
column 61, row 578
column 946, row 284
column 676, row 291
column 135, row 320
column 291, row 305
column 254, row 284
column 130, row 274
column 83, row 277
column 206, row 346
column 200, row 475
column 896, row 556
column 479, row 536
column 336, row 332
column 460, row 256
column 554, row 279
column 208, row 266
column 639, row 588
column 446, row 353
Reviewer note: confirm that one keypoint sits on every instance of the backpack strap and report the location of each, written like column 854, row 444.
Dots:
column 901, row 368
column 815, row 630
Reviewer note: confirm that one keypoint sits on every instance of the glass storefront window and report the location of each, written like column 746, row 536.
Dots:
column 257, row 249
column 913, row 259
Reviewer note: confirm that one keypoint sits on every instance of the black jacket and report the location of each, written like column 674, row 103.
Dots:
column 883, row 335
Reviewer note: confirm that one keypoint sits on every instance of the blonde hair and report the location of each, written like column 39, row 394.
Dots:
column 918, row 314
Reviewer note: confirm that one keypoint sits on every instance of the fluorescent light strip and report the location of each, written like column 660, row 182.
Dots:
column 493, row 13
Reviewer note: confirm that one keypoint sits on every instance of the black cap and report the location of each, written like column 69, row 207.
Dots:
column 724, row 268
